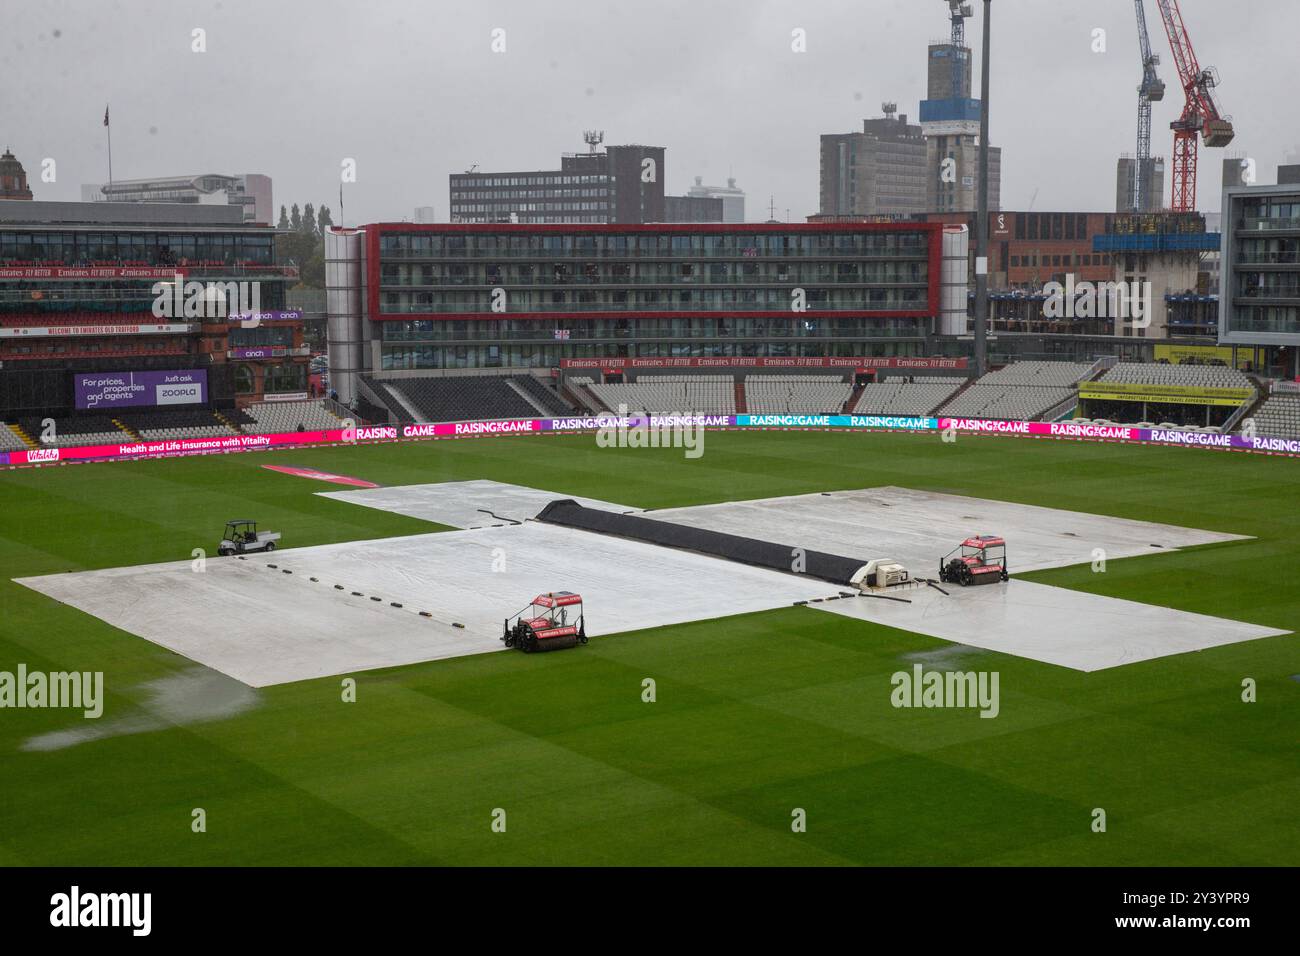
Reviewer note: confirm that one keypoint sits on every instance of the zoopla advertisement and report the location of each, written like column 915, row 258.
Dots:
column 106, row 391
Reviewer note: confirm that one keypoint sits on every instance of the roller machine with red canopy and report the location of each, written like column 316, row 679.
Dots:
column 978, row 560
column 552, row 621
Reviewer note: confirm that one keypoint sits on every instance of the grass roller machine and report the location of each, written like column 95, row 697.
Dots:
column 552, row 622
column 978, row 560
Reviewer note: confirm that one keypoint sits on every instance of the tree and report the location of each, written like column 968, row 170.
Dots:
column 284, row 219
column 304, row 243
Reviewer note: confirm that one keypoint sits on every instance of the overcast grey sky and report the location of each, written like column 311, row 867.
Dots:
column 412, row 91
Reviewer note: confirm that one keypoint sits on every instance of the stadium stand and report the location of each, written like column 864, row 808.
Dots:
column 671, row 395
column 898, row 397
column 9, row 441
column 796, row 394
column 461, row 398
column 269, row 417
column 1195, row 376
column 165, row 425
column 1173, row 415
column 1013, row 403
column 580, row 388
column 75, row 432
column 1278, row 416
column 1020, row 392
column 1038, row 374
column 924, row 379
column 548, row 399
column 393, row 406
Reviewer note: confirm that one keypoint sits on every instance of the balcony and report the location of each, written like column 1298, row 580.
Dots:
column 1269, row 224
column 1269, row 258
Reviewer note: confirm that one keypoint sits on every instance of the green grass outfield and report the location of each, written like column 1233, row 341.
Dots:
column 756, row 715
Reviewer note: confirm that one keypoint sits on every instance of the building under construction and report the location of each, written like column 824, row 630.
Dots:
column 950, row 122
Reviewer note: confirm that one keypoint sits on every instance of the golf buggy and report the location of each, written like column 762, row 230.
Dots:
column 552, row 621
column 242, row 537
column 982, row 560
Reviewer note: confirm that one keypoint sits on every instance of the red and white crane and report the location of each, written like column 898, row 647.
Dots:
column 1200, row 113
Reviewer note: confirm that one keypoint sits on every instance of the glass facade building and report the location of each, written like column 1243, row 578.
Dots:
column 1259, row 299
column 619, row 184
column 90, row 287
column 483, row 296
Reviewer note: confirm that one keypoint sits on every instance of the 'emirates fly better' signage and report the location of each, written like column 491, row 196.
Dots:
column 88, row 272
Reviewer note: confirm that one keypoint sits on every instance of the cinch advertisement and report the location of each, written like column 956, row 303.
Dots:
column 101, row 391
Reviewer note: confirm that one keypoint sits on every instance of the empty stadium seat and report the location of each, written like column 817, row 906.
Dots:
column 1022, row 391
column 171, row 424
column 898, row 397
column 273, row 417
column 457, row 398
column 797, row 394
column 671, row 395
column 1277, row 417
column 547, row 398
column 9, row 441
column 1196, row 376
column 75, row 432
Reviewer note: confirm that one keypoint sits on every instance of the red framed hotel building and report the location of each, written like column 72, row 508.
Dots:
column 405, row 297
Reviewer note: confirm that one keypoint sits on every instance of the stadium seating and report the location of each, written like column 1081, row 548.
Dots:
column 923, row 379
column 1039, row 374
column 671, row 395
column 460, row 398
column 547, row 398
column 76, row 432
column 174, row 424
column 270, row 417
column 1012, row 403
column 796, row 394
column 1195, row 376
column 1023, row 391
column 1278, row 417
column 579, row 388
column 10, row 441
column 896, row 397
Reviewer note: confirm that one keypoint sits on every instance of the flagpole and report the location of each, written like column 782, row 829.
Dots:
column 108, row 126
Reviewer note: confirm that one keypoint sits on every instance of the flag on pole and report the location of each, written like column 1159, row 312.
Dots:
column 105, row 115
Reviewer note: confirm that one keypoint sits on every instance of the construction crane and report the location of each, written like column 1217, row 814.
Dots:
column 1200, row 113
column 958, row 12
column 1151, row 91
